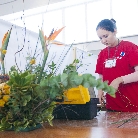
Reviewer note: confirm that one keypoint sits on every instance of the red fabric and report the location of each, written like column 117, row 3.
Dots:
column 127, row 94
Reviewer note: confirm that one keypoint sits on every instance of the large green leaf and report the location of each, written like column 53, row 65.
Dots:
column 100, row 84
column 27, row 97
column 112, row 91
column 78, row 79
column 86, row 76
column 64, row 79
column 92, row 81
column 86, row 84
column 106, row 87
column 44, row 83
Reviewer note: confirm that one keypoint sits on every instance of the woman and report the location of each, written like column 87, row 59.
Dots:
column 118, row 65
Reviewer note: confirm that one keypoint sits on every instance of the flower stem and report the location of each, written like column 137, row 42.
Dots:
column 3, row 68
column 43, row 65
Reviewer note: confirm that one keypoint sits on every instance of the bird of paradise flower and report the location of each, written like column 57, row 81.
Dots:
column 45, row 41
column 3, row 49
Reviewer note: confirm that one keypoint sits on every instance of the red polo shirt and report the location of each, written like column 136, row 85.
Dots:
column 126, row 55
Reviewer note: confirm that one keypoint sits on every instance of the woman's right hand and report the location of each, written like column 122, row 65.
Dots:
column 101, row 97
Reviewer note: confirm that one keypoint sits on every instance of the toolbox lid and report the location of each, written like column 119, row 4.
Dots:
column 78, row 95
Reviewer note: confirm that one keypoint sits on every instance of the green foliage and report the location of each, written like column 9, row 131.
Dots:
column 31, row 103
column 28, row 106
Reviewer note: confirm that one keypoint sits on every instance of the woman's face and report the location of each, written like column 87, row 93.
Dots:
column 107, row 38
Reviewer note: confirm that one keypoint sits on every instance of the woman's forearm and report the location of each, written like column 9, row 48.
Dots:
column 133, row 77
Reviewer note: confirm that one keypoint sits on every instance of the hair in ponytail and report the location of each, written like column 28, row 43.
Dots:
column 106, row 24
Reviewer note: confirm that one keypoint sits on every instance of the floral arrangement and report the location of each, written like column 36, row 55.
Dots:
column 28, row 98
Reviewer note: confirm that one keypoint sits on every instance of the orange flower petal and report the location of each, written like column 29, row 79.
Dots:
column 54, row 35
column 3, row 40
column 57, row 43
column 46, row 38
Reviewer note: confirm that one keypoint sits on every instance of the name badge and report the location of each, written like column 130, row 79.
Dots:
column 110, row 63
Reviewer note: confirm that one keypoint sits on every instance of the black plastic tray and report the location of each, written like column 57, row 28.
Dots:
column 77, row 111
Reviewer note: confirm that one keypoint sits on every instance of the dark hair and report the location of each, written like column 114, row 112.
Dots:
column 106, row 24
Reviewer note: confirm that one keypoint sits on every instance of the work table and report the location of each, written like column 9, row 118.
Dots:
column 104, row 125
column 105, row 120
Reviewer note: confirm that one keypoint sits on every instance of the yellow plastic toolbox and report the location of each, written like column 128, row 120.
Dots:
column 78, row 95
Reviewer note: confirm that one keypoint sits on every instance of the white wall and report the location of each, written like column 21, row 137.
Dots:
column 19, row 38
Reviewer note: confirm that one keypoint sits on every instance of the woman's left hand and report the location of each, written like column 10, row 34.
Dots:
column 116, row 82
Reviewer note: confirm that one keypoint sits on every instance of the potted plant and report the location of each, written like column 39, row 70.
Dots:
column 27, row 98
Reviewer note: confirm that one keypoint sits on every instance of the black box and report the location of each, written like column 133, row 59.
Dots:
column 77, row 111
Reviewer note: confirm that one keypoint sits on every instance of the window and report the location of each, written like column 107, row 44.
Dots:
column 125, row 12
column 33, row 23
column 96, row 11
column 53, row 20
column 75, row 24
